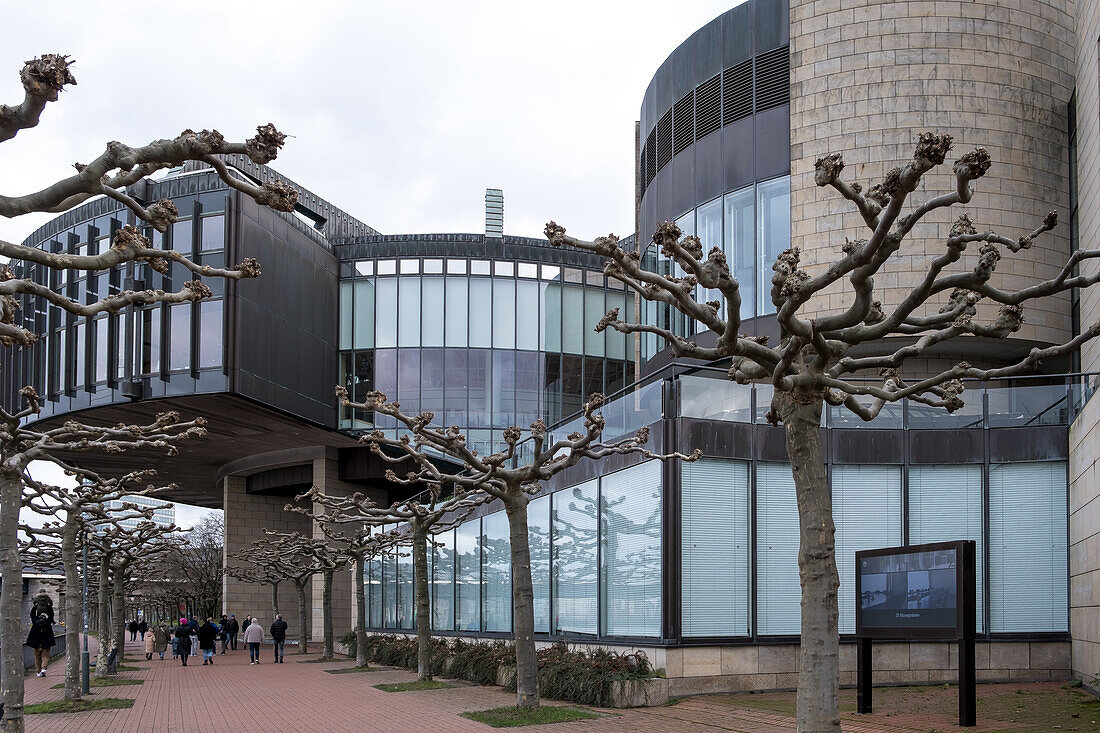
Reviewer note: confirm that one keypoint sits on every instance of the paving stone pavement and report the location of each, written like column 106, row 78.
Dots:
column 292, row 697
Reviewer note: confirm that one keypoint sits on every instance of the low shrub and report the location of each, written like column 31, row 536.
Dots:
column 565, row 673
column 586, row 677
column 351, row 641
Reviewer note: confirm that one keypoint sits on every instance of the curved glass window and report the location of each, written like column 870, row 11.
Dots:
column 630, row 551
column 574, row 571
column 496, row 573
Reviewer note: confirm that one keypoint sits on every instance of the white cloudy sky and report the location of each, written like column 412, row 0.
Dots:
column 401, row 113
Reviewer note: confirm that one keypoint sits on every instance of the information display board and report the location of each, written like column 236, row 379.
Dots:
column 910, row 592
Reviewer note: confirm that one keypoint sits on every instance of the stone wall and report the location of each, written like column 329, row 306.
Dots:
column 1087, row 14
column 868, row 75
column 246, row 518
column 710, row 669
column 1084, row 541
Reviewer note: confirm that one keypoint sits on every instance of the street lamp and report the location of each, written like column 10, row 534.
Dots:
column 85, row 660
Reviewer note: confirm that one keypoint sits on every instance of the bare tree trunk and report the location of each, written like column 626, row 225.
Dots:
column 360, row 613
column 118, row 610
column 523, row 606
column 423, row 606
column 11, row 597
column 72, row 614
column 274, row 599
column 327, row 652
column 819, row 665
column 302, row 635
column 103, row 633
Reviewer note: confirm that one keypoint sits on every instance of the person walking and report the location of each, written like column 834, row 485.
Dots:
column 245, row 623
column 253, row 636
column 278, row 636
column 160, row 639
column 194, row 626
column 223, row 632
column 232, row 628
column 41, row 640
column 183, row 640
column 132, row 627
column 42, row 604
column 143, row 628
column 150, row 644
column 208, row 634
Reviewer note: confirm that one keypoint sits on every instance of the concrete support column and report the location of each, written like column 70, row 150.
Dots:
column 246, row 518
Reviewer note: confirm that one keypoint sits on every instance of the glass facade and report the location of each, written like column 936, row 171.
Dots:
column 751, row 226
column 92, row 354
column 484, row 344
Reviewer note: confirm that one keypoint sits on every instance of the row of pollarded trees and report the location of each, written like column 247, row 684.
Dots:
column 76, row 532
column 111, row 174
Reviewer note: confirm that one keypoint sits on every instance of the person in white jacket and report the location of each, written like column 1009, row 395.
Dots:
column 254, row 636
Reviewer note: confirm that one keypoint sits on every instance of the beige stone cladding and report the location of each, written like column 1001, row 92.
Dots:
column 246, row 518
column 1084, row 542
column 867, row 76
column 1087, row 15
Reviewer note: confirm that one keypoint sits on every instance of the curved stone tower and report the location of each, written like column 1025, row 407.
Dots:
column 868, row 75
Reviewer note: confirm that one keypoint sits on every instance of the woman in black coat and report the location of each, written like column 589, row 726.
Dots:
column 208, row 636
column 183, row 640
column 41, row 640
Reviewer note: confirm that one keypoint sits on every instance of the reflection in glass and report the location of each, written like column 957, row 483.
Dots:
column 179, row 354
column 478, row 381
column 213, row 233
column 538, row 531
column 457, row 316
column 181, row 237
column 773, row 200
column 573, row 323
column 443, row 577
column 363, row 315
column 468, row 576
column 101, row 334
column 740, row 245
column 431, row 291
column 80, row 349
column 496, row 573
column 210, row 333
column 574, row 571
column 630, row 544
column 385, row 317
column 408, row 311
column 406, row 606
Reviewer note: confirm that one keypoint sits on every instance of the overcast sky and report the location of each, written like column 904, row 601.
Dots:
column 400, row 113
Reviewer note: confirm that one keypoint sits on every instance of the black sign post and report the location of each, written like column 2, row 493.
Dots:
column 917, row 592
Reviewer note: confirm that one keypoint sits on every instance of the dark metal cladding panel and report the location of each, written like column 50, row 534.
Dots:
column 737, row 154
column 683, row 185
column 717, row 439
column 737, row 35
column 864, row 445
column 1028, row 444
column 709, row 168
column 771, row 443
column 276, row 478
column 946, row 446
column 772, row 24
column 665, row 95
column 708, row 48
column 285, row 346
column 773, row 142
column 683, row 68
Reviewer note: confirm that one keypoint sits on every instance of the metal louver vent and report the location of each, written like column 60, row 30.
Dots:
column 773, row 78
column 708, row 107
column 737, row 92
column 650, row 152
column 683, row 123
column 664, row 140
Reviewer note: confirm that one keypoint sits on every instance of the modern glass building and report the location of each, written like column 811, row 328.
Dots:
column 164, row 512
column 697, row 563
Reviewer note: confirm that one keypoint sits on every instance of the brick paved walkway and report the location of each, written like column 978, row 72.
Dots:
column 291, row 697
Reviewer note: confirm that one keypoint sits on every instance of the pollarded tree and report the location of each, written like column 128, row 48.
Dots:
column 262, row 572
column 71, row 512
column 293, row 554
column 327, row 558
column 816, row 358
column 425, row 515
column 501, row 476
column 112, row 174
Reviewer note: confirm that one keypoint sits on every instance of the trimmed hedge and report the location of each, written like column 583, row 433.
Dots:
column 573, row 675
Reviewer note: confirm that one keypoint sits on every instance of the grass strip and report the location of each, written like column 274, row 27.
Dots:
column 411, row 686
column 350, row 670
column 78, row 706
column 513, row 717
column 104, row 682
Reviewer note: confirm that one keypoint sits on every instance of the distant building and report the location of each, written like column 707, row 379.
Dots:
column 164, row 512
